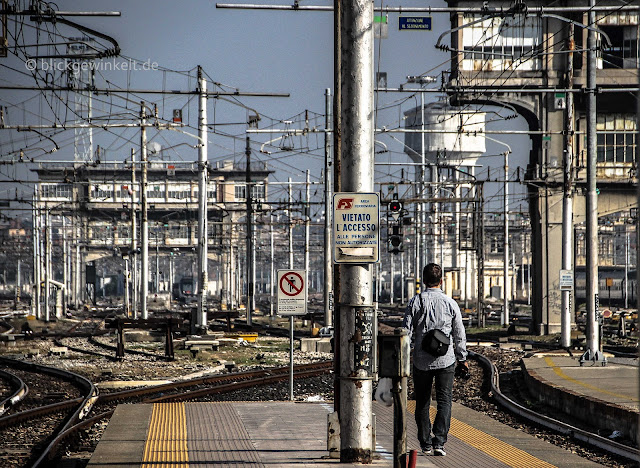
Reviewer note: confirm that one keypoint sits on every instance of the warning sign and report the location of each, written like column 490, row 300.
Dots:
column 566, row 280
column 356, row 223
column 292, row 292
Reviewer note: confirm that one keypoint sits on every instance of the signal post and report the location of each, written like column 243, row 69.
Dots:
column 355, row 313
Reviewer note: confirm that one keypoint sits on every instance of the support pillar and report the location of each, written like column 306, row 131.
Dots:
column 356, row 311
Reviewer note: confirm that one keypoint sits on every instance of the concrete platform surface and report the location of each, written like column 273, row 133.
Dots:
column 616, row 383
column 294, row 434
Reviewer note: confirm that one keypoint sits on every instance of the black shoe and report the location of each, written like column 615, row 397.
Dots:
column 439, row 451
column 428, row 450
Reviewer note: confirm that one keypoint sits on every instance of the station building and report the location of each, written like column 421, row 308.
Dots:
column 534, row 59
column 88, row 213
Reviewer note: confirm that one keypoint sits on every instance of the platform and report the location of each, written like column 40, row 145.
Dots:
column 605, row 397
column 293, row 434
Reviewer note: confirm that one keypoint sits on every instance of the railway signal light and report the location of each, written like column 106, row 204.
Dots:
column 395, row 209
column 395, row 239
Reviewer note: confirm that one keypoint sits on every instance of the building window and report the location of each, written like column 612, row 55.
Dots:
column 56, row 191
column 124, row 232
column 240, row 192
column 179, row 194
column 102, row 234
column 179, row 231
column 101, row 193
column 622, row 30
column 156, row 192
column 212, row 194
column 257, row 192
column 214, row 232
column 616, row 138
column 126, row 192
column 497, row 245
column 498, row 44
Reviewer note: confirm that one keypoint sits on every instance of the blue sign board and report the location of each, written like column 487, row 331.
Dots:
column 418, row 23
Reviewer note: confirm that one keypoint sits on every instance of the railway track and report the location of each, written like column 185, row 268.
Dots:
column 206, row 388
column 104, row 405
column 67, row 412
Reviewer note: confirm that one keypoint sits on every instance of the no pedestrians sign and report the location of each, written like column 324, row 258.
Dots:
column 292, row 292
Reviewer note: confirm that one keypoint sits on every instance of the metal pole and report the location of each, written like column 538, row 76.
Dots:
column 238, row 267
column 251, row 272
column 435, row 210
column 416, row 253
column 421, row 238
column 291, row 322
column 18, row 282
column 157, row 282
column 134, row 236
column 47, row 262
column 479, row 241
column 231, row 277
column 227, row 267
column 376, row 284
column 290, row 226
column 65, row 263
column 637, row 217
column 529, row 279
column 333, row 421
column 272, row 279
column 307, row 223
column 37, row 274
column 626, row 267
column 127, row 310
column 171, row 273
column 567, row 202
column 144, row 228
column 391, row 256
column 399, row 392
column 455, row 245
column 466, row 274
column 522, row 257
column 203, row 267
column 78, row 278
column 591, row 236
column 402, row 281
column 505, row 312
column 356, row 311
column 328, row 263
column 291, row 358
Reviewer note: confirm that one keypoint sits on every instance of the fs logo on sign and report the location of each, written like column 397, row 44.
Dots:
column 345, row 204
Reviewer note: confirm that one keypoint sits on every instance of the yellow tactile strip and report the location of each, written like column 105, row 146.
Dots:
column 495, row 448
column 166, row 444
column 560, row 373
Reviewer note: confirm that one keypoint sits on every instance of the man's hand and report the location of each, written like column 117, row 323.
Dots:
column 462, row 370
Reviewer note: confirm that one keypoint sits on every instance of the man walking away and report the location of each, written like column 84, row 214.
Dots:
column 429, row 311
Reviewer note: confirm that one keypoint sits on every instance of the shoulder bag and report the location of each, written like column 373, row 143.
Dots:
column 435, row 341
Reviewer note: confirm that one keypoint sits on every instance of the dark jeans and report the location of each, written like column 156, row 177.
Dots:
column 422, row 383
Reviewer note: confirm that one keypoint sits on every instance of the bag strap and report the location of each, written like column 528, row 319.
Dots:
column 423, row 309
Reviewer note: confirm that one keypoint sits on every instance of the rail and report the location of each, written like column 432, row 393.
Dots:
column 550, row 423
column 82, row 409
column 20, row 391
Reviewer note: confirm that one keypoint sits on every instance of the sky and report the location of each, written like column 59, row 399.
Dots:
column 247, row 50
